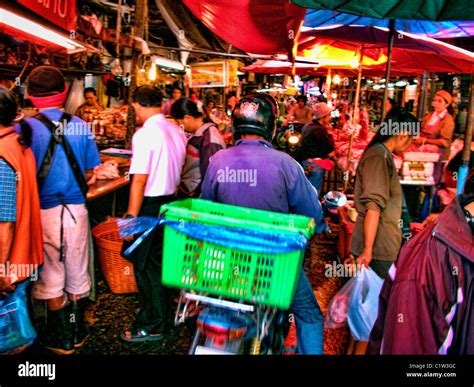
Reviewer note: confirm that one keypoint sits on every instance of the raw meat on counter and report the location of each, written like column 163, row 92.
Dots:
column 105, row 171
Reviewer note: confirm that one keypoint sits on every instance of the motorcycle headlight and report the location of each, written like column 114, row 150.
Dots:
column 293, row 140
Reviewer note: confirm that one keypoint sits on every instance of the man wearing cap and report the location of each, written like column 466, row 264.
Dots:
column 64, row 150
column 277, row 184
column 317, row 146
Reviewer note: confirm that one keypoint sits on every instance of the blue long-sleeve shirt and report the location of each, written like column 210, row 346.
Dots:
column 253, row 174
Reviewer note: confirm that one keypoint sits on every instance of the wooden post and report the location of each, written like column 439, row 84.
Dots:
column 355, row 118
column 423, row 95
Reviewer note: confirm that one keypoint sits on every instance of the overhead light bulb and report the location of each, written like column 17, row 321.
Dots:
column 152, row 72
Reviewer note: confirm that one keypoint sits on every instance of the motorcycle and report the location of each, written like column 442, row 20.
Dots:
column 288, row 137
column 224, row 326
column 227, row 325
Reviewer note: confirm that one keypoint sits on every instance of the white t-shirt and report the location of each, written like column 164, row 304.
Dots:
column 410, row 92
column 159, row 151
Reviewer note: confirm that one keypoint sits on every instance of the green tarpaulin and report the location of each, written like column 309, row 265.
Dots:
column 398, row 9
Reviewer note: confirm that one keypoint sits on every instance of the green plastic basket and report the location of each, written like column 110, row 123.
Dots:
column 268, row 279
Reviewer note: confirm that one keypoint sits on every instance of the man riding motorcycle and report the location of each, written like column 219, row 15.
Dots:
column 278, row 184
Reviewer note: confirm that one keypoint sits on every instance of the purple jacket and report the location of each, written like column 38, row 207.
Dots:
column 253, row 174
column 426, row 304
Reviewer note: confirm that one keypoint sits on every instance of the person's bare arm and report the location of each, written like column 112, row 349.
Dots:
column 309, row 116
column 371, row 223
column 137, row 193
column 7, row 231
column 90, row 177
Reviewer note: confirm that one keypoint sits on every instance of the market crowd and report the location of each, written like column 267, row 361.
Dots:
column 44, row 219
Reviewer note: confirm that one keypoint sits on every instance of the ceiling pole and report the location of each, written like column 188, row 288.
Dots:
column 138, row 31
column 391, row 38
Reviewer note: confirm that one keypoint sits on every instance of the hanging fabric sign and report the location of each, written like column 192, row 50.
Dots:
column 60, row 12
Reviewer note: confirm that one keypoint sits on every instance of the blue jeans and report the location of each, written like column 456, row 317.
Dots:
column 314, row 173
column 308, row 318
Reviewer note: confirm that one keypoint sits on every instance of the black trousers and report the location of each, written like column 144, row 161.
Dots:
column 156, row 301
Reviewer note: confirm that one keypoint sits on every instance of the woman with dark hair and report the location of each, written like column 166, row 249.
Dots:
column 177, row 94
column 205, row 140
column 212, row 113
column 377, row 236
column 378, row 194
column 20, row 226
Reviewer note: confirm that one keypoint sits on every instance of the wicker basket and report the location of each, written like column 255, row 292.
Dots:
column 118, row 272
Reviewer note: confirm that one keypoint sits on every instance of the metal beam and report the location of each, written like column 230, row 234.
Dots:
column 224, row 54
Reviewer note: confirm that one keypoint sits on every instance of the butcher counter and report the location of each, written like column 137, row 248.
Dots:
column 110, row 186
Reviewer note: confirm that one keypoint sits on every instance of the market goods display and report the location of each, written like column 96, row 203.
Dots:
column 109, row 126
column 417, row 170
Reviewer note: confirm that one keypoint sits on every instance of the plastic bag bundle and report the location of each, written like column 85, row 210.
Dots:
column 15, row 324
column 356, row 304
column 255, row 241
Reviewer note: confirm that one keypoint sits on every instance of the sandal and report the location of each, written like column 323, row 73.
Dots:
column 140, row 336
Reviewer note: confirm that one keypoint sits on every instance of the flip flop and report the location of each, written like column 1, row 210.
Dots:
column 140, row 336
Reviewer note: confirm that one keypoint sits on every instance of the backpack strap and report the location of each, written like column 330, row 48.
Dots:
column 57, row 137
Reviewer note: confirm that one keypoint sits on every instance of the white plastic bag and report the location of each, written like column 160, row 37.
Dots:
column 356, row 304
column 364, row 302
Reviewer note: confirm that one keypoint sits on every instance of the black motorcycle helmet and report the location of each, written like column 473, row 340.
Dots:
column 255, row 114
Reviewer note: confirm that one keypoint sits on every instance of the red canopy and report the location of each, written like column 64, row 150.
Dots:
column 410, row 52
column 255, row 26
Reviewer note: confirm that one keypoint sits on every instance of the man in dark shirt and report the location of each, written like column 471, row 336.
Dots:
column 273, row 182
column 316, row 146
